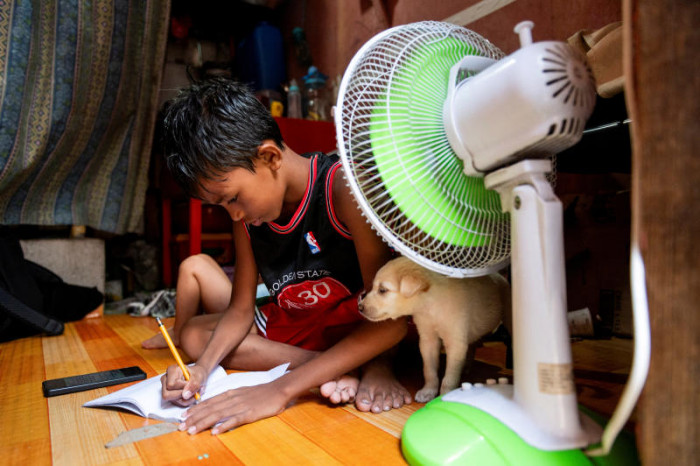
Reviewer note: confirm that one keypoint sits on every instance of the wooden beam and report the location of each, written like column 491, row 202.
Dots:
column 663, row 84
column 477, row 11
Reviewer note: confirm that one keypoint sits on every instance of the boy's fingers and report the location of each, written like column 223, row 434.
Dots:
column 197, row 420
column 173, row 377
column 229, row 424
column 170, row 395
column 190, row 389
column 182, row 403
column 223, row 408
column 172, row 385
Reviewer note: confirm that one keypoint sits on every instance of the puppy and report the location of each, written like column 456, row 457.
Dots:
column 449, row 311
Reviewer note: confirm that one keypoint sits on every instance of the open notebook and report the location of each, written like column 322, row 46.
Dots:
column 144, row 398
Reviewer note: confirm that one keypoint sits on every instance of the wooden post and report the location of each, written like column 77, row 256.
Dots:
column 195, row 229
column 662, row 39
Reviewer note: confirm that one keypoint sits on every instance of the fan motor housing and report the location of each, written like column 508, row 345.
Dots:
column 532, row 103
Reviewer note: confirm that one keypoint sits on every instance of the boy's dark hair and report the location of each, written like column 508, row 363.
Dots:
column 213, row 127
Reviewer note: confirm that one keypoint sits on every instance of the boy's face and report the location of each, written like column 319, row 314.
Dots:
column 254, row 198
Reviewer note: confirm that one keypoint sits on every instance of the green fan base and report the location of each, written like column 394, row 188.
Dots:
column 449, row 433
column 403, row 142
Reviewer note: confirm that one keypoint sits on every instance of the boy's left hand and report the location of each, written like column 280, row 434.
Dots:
column 235, row 408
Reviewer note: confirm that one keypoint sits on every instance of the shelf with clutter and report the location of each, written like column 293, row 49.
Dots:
column 249, row 48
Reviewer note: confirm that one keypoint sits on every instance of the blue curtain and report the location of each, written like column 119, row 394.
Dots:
column 78, row 98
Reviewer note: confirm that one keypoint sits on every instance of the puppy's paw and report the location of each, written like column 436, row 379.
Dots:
column 426, row 394
column 447, row 388
column 448, row 384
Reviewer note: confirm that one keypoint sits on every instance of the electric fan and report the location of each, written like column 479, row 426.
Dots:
column 446, row 144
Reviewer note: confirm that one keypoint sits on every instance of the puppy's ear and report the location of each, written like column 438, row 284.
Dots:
column 412, row 284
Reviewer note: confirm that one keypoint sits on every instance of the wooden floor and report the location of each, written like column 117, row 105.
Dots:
column 36, row 430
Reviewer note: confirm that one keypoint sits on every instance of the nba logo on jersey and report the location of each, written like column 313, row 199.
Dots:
column 311, row 241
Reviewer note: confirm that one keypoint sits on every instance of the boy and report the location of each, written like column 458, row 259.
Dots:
column 296, row 224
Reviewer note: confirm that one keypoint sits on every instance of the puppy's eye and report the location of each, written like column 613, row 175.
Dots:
column 382, row 290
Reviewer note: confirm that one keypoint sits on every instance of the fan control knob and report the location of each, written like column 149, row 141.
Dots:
column 524, row 30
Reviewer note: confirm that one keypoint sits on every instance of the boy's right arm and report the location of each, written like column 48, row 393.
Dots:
column 234, row 325
column 237, row 320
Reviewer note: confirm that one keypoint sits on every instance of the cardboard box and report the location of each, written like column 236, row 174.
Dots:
column 78, row 261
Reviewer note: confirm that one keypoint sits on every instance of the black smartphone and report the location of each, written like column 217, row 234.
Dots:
column 79, row 383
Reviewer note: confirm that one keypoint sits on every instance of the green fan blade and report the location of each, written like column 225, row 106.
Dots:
column 418, row 168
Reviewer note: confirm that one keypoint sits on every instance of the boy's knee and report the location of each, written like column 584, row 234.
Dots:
column 194, row 263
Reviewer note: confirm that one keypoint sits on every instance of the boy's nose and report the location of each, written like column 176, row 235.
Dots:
column 235, row 214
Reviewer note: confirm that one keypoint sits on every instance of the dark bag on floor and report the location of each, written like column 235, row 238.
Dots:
column 34, row 300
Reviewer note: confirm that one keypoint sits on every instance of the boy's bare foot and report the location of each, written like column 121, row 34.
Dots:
column 379, row 390
column 157, row 341
column 342, row 390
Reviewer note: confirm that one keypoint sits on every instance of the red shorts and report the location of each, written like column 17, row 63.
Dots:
column 314, row 328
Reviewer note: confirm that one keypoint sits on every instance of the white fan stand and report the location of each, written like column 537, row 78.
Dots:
column 549, row 92
column 541, row 404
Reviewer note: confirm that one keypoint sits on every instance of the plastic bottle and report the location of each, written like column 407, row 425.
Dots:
column 293, row 100
column 260, row 58
column 317, row 101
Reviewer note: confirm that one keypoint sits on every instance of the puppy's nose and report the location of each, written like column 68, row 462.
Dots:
column 361, row 297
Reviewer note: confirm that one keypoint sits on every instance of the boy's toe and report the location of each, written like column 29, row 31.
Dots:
column 335, row 397
column 363, row 400
column 348, row 395
column 328, row 389
column 381, row 403
column 388, row 403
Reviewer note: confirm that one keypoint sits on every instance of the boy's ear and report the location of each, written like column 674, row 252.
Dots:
column 412, row 284
column 269, row 153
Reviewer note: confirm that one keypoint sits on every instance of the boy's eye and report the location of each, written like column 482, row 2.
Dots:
column 233, row 199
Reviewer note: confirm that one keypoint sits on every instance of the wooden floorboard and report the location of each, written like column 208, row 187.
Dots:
column 58, row 430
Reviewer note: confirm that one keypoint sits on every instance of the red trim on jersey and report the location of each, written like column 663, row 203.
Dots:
column 303, row 206
column 337, row 224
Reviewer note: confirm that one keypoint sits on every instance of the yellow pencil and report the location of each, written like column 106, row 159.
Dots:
column 170, row 343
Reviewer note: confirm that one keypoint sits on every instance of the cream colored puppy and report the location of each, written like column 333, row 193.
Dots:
column 447, row 311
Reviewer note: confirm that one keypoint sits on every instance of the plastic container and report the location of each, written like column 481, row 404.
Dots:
column 317, row 106
column 260, row 58
column 294, row 100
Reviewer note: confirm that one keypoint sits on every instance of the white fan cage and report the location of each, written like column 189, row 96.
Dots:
column 377, row 85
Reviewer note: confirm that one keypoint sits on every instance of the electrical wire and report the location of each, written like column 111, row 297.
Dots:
column 641, row 358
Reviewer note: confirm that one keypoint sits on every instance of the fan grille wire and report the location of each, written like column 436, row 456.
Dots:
column 405, row 176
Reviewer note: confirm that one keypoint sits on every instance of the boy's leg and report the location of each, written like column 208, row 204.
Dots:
column 201, row 284
column 254, row 353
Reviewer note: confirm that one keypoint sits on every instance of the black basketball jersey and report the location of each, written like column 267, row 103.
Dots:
column 310, row 263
